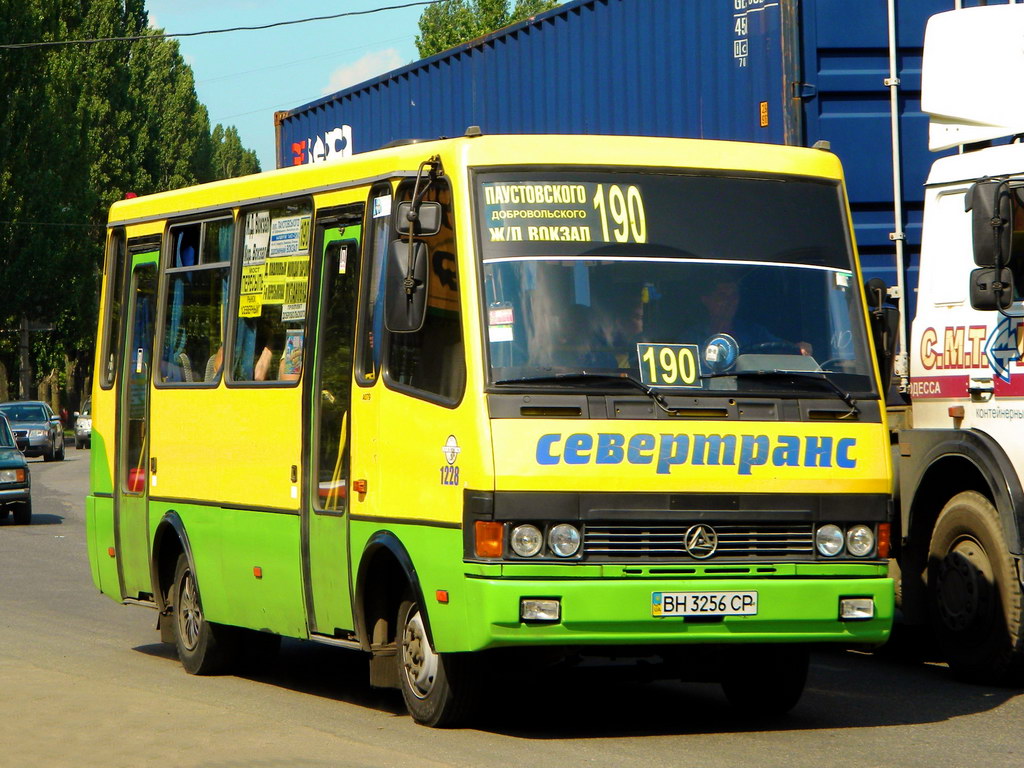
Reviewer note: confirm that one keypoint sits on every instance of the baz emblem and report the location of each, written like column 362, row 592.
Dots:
column 701, row 541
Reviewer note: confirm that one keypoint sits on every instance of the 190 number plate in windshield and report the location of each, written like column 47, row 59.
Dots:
column 703, row 604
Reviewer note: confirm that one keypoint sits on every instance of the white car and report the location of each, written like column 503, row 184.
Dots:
column 83, row 425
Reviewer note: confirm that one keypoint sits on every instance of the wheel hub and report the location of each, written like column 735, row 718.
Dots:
column 965, row 585
column 419, row 660
column 190, row 616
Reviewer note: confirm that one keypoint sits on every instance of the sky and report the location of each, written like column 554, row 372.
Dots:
column 244, row 77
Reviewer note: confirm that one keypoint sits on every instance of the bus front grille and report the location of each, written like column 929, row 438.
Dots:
column 659, row 541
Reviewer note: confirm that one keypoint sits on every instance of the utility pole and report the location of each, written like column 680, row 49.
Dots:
column 25, row 377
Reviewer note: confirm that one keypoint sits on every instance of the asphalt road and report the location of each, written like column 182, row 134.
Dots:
column 85, row 681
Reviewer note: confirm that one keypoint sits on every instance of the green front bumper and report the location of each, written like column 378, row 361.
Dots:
column 796, row 607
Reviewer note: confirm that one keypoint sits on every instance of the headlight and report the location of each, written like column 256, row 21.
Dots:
column 37, row 433
column 527, row 540
column 860, row 541
column 12, row 475
column 829, row 540
column 564, row 540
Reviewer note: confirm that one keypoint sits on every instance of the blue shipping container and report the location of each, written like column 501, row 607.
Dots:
column 779, row 71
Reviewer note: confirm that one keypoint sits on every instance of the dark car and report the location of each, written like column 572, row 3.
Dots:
column 15, row 485
column 37, row 429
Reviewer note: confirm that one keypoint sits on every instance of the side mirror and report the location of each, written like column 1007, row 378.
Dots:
column 991, row 222
column 991, row 288
column 424, row 220
column 885, row 326
column 405, row 287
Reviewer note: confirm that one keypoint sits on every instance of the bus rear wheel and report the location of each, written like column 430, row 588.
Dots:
column 439, row 689
column 203, row 648
column 975, row 598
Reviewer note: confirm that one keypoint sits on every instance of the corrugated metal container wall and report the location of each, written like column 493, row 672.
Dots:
column 644, row 67
column 845, row 65
column 781, row 71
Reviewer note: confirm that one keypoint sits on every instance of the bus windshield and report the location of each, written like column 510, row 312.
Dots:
column 679, row 280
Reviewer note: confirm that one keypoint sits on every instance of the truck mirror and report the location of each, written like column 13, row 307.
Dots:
column 877, row 292
column 405, row 287
column 425, row 219
column 991, row 288
column 991, row 222
column 885, row 325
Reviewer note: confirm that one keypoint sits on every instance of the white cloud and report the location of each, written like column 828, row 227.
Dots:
column 370, row 65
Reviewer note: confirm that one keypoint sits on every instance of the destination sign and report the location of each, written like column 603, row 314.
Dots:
column 563, row 212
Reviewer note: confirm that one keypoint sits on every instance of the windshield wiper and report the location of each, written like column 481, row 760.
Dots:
column 568, row 378
column 845, row 396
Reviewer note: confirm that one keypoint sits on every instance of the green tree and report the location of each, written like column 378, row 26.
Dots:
column 171, row 125
column 453, row 22
column 230, row 158
column 81, row 126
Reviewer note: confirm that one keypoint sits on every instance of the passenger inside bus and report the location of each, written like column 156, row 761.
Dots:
column 286, row 365
column 721, row 302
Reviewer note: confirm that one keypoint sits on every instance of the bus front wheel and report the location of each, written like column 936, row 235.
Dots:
column 439, row 689
column 765, row 679
column 203, row 648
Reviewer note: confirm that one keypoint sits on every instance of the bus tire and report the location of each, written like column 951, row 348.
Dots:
column 439, row 689
column 766, row 680
column 975, row 598
column 203, row 648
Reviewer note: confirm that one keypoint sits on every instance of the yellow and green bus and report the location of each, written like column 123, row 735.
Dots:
column 453, row 402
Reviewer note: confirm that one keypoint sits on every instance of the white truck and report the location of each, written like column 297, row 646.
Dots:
column 960, row 447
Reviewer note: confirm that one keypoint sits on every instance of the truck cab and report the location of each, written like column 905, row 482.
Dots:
column 961, row 454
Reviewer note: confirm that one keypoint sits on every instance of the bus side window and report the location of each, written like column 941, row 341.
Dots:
column 270, row 327
column 198, row 264
column 432, row 359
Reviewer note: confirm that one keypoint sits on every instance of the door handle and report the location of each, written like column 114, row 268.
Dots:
column 981, row 386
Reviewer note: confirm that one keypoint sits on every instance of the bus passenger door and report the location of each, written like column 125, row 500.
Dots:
column 132, row 482
column 325, row 558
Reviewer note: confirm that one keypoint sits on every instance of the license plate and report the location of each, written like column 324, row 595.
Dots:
column 704, row 603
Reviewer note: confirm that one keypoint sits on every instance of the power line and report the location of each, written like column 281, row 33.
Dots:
column 21, row 223
column 282, row 65
column 163, row 35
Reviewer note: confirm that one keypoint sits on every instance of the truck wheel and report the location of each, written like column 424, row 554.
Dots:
column 766, row 680
column 440, row 689
column 203, row 648
column 975, row 598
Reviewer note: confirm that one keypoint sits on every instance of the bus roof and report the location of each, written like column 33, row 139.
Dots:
column 481, row 151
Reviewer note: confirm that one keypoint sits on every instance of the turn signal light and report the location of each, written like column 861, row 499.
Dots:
column 884, row 539
column 490, row 538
